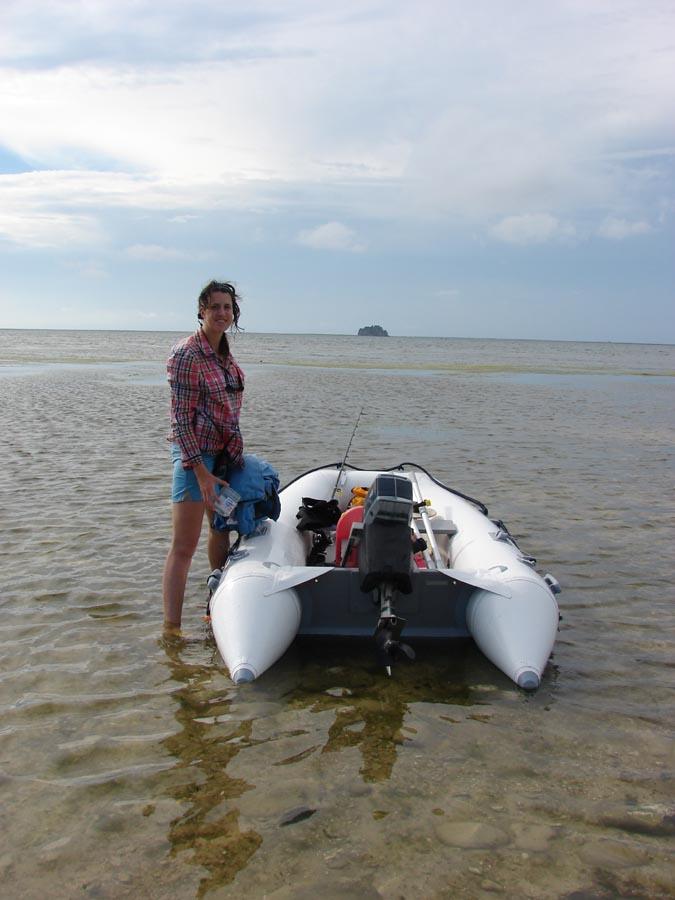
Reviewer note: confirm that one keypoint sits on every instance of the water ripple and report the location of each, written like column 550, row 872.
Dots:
column 132, row 767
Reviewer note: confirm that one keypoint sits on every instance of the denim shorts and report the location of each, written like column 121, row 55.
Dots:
column 185, row 485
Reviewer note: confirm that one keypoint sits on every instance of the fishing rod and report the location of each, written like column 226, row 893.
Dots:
column 344, row 461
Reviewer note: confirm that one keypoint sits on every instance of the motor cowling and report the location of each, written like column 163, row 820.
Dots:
column 385, row 550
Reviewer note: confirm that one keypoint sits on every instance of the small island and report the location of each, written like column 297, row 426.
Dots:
column 373, row 331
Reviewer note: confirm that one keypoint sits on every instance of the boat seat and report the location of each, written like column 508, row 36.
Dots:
column 443, row 526
column 439, row 526
column 349, row 521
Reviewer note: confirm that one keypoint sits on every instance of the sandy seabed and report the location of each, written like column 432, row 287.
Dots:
column 131, row 767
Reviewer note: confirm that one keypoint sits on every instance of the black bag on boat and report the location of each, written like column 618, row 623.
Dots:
column 315, row 515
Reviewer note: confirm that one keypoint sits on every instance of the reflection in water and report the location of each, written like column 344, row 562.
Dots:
column 369, row 713
column 205, row 746
column 370, row 708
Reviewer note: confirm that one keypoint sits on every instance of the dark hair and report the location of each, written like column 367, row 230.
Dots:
column 221, row 287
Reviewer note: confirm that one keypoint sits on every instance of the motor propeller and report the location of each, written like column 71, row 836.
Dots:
column 388, row 646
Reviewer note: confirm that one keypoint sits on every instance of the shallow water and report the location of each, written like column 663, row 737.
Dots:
column 130, row 765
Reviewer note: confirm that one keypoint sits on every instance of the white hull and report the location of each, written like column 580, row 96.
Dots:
column 476, row 583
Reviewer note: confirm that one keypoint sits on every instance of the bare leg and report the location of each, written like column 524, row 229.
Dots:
column 187, row 527
column 218, row 545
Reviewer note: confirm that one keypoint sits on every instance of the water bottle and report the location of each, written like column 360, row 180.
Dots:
column 226, row 501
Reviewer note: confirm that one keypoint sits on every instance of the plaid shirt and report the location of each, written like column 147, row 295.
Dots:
column 206, row 396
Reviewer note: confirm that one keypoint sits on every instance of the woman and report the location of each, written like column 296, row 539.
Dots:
column 206, row 392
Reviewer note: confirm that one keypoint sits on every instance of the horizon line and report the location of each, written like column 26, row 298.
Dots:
column 356, row 335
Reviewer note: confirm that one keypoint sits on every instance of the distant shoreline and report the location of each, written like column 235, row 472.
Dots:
column 350, row 336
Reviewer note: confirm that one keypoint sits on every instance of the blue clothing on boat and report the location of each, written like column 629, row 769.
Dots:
column 257, row 483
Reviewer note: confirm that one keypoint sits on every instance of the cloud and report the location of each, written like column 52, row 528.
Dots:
column 46, row 35
column 94, row 271
column 48, row 229
column 331, row 236
column 620, row 229
column 264, row 107
column 154, row 253
column 60, row 209
column 417, row 130
column 531, row 228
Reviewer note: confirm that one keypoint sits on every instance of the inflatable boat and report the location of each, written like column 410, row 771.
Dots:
column 394, row 555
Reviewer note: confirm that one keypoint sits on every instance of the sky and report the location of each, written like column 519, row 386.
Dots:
column 460, row 168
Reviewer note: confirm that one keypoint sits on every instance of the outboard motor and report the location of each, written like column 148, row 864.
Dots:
column 385, row 550
column 385, row 558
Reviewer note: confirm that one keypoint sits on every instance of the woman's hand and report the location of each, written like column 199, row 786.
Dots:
column 207, row 484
